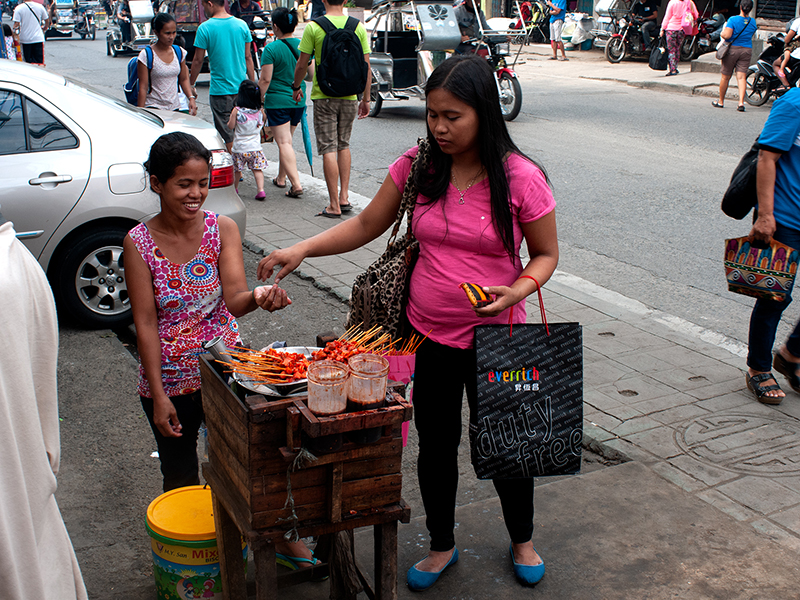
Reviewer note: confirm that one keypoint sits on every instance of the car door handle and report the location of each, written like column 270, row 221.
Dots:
column 52, row 179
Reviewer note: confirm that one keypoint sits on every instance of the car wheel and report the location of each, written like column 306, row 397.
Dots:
column 89, row 281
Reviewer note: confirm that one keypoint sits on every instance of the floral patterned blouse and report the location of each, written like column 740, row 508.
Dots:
column 190, row 308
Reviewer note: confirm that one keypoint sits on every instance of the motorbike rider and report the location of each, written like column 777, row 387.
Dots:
column 124, row 20
column 246, row 10
column 782, row 63
column 467, row 21
column 645, row 15
column 725, row 9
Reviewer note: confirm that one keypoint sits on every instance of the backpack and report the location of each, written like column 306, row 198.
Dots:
column 131, row 88
column 341, row 70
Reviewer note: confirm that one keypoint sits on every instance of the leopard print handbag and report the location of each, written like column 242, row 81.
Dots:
column 380, row 294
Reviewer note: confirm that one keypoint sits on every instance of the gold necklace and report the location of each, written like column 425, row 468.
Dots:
column 469, row 185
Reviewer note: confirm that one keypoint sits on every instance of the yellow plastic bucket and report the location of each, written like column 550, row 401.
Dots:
column 185, row 557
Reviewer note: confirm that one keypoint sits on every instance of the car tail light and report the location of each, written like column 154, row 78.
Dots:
column 221, row 169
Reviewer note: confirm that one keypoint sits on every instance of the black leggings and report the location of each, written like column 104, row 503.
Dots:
column 178, row 455
column 440, row 376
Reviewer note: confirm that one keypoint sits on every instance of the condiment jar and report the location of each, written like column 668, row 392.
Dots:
column 366, row 387
column 327, row 387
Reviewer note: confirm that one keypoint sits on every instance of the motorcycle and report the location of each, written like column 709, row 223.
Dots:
column 261, row 32
column 628, row 40
column 705, row 40
column 762, row 81
column 410, row 39
column 85, row 25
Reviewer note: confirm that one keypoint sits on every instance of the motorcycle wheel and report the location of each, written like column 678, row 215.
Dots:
column 94, row 33
column 688, row 48
column 83, row 36
column 510, row 96
column 757, row 92
column 615, row 50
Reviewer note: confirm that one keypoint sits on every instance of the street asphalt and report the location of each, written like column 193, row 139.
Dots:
column 706, row 500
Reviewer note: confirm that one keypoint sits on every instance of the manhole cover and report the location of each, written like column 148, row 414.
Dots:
column 743, row 443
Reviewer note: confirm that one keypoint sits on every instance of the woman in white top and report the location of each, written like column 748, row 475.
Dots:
column 158, row 87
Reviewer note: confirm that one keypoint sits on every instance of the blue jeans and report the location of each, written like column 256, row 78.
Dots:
column 766, row 316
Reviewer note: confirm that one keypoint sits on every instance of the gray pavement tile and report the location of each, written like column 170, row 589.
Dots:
column 791, row 482
column 693, row 377
column 679, row 414
column 343, row 291
column 762, row 494
column 556, row 302
column 716, row 389
column 264, row 228
column 599, row 400
column 591, row 356
column 679, row 356
column 701, row 471
column 281, row 239
column 603, row 372
column 593, row 432
column 635, row 425
column 726, row 402
column 643, row 362
column 791, row 405
column 605, row 345
column 659, row 405
column 659, row 441
column 584, row 315
column 623, row 412
column 789, row 518
column 678, row 477
column 636, row 388
column 726, row 505
column 777, row 534
column 620, row 448
column 605, row 421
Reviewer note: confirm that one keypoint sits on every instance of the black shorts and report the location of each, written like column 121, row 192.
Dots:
column 279, row 116
column 33, row 53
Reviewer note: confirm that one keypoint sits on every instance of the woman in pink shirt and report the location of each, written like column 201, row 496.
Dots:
column 677, row 24
column 478, row 199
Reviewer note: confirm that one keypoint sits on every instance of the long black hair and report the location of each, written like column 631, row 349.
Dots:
column 470, row 79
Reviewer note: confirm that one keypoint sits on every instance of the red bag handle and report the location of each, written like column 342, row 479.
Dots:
column 541, row 307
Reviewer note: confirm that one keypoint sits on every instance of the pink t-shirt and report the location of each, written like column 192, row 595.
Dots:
column 458, row 243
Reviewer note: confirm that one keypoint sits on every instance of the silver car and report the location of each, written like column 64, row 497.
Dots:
column 73, row 183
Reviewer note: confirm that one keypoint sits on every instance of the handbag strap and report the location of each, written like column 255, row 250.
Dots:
column 409, row 199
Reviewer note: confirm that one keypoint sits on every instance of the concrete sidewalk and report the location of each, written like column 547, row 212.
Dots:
column 710, row 507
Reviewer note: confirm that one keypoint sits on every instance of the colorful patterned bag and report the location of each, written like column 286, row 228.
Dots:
column 763, row 272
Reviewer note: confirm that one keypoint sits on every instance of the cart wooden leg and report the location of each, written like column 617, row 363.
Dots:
column 229, row 544
column 386, row 561
column 266, row 570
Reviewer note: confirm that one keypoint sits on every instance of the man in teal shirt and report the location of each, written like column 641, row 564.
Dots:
column 226, row 39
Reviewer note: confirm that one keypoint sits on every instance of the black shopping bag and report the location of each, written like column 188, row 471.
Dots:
column 659, row 59
column 530, row 401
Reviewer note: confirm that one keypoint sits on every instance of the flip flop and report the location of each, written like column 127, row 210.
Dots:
column 293, row 193
column 276, row 184
column 716, row 104
column 740, row 108
column 787, row 369
column 291, row 562
column 760, row 391
column 346, row 207
column 325, row 213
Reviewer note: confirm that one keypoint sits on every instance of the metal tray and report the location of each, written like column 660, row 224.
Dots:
column 293, row 388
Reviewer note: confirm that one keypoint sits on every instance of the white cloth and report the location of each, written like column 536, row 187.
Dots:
column 30, row 16
column 163, row 82
column 247, row 135
column 36, row 556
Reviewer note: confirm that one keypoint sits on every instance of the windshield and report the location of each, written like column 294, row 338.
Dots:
column 99, row 96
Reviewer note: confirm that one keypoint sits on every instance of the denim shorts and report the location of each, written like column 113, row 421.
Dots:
column 279, row 116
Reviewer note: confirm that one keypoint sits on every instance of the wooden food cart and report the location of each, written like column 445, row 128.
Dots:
column 263, row 485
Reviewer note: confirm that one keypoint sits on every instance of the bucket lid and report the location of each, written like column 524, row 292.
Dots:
column 183, row 514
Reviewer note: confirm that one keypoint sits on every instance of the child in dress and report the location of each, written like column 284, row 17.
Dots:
column 788, row 52
column 247, row 119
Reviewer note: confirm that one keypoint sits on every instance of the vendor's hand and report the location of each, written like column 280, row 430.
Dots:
column 504, row 297
column 271, row 297
column 166, row 417
column 363, row 109
column 289, row 259
column 192, row 107
column 763, row 229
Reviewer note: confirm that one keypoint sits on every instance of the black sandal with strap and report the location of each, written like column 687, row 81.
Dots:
column 760, row 391
column 787, row 369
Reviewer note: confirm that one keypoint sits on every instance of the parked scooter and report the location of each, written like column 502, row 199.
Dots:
column 762, row 82
column 628, row 40
column 261, row 32
column 85, row 25
column 705, row 40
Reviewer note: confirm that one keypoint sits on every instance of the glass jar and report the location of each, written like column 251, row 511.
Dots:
column 366, row 387
column 327, row 387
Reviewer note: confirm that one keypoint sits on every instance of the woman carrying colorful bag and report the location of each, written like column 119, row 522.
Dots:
column 478, row 199
column 679, row 21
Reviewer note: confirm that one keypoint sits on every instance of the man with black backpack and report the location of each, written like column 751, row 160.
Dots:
column 341, row 47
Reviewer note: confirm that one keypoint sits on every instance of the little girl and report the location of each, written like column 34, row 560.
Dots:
column 789, row 52
column 247, row 119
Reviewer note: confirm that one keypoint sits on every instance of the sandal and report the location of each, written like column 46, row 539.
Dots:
column 760, row 391
column 293, row 193
column 740, row 108
column 788, row 369
column 276, row 184
column 290, row 562
column 717, row 104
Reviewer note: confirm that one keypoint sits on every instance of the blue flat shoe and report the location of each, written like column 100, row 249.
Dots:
column 421, row 580
column 527, row 574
